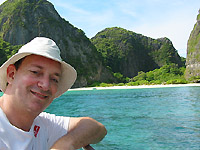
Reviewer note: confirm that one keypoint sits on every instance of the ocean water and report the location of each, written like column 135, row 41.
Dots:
column 139, row 119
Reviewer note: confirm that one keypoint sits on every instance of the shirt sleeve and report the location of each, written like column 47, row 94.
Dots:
column 56, row 126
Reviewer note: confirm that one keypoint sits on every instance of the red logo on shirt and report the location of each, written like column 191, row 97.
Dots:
column 36, row 130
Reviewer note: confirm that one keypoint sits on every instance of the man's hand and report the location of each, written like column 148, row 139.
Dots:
column 88, row 147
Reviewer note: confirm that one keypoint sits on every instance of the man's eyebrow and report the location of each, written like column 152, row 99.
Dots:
column 37, row 66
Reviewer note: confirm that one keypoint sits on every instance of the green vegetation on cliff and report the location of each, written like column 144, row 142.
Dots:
column 16, row 10
column 194, row 38
column 168, row 74
column 193, row 54
column 128, row 53
column 7, row 50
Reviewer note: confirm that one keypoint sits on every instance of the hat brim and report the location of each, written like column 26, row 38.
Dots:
column 68, row 76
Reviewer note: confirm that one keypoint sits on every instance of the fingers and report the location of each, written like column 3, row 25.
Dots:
column 88, row 147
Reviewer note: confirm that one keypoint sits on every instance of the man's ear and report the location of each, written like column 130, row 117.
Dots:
column 11, row 70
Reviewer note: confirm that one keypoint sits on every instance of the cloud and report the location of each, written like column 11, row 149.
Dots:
column 1, row 1
column 69, row 7
column 174, row 29
column 90, row 20
column 176, row 25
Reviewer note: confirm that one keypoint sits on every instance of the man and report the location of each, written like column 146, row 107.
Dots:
column 30, row 80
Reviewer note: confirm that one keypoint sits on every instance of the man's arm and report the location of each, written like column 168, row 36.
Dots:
column 82, row 131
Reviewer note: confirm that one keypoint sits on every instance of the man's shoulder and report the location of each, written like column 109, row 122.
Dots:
column 47, row 117
column 52, row 123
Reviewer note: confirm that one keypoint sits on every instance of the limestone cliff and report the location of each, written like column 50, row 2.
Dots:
column 193, row 53
column 22, row 20
column 128, row 52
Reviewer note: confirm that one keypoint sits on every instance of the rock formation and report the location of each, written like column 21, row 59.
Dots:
column 128, row 52
column 22, row 20
column 193, row 53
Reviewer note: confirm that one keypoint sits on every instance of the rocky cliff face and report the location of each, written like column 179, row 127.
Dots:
column 193, row 53
column 22, row 20
column 128, row 52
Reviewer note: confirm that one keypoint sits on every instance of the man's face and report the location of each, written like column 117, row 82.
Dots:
column 35, row 83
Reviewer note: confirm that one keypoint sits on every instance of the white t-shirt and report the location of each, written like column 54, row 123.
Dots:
column 46, row 129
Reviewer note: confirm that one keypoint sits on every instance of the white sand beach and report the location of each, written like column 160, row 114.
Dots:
column 135, row 87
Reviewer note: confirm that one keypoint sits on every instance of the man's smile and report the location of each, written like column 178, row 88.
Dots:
column 40, row 95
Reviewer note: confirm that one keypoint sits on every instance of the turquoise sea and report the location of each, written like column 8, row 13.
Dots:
column 139, row 119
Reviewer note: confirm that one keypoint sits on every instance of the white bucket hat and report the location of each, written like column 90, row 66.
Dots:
column 44, row 47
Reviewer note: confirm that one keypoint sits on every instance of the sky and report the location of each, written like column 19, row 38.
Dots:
column 173, row 19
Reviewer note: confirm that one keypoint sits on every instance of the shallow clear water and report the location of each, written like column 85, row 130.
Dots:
column 139, row 119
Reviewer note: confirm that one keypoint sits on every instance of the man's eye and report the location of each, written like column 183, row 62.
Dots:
column 55, row 80
column 34, row 72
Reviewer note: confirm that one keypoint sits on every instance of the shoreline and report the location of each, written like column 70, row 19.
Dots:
column 134, row 87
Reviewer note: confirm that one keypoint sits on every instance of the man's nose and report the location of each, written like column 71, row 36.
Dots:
column 44, row 83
